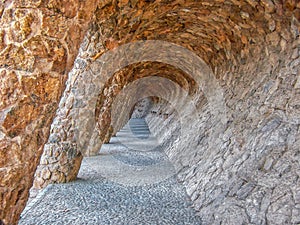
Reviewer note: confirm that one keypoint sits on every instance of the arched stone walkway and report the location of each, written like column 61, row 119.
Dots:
column 235, row 64
column 130, row 182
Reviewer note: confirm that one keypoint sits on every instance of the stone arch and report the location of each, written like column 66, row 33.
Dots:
column 158, row 87
column 122, row 79
column 251, row 46
column 80, row 100
column 190, row 63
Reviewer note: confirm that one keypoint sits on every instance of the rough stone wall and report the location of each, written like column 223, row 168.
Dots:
column 141, row 108
column 253, row 48
column 249, row 172
column 39, row 42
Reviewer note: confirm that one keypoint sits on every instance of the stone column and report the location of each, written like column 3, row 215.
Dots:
column 39, row 42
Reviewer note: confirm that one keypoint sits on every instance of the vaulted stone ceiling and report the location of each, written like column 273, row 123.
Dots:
column 217, row 31
column 129, row 74
column 252, row 47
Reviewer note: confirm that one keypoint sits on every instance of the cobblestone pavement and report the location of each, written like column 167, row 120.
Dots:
column 122, row 185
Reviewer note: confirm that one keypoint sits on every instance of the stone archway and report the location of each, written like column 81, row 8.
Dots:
column 62, row 156
column 252, row 47
column 122, row 79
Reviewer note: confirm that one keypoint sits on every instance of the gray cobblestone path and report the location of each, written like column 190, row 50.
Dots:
column 127, row 183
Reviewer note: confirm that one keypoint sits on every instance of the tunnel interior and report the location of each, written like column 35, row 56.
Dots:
column 223, row 75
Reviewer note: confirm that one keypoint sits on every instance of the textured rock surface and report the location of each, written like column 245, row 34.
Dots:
column 242, row 165
column 104, row 202
column 249, row 172
column 120, row 186
column 141, row 108
column 39, row 43
column 237, row 172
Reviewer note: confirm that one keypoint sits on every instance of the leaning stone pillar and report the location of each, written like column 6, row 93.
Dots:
column 39, row 42
column 62, row 155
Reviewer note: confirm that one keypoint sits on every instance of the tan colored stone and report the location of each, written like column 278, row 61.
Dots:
column 46, row 174
column 40, row 40
column 269, row 5
column 273, row 38
column 54, row 26
column 68, row 8
column 297, row 84
column 29, row 96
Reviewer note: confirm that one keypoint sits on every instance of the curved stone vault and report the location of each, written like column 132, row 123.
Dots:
column 223, row 75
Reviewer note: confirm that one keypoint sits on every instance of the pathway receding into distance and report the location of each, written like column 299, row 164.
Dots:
column 131, row 181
